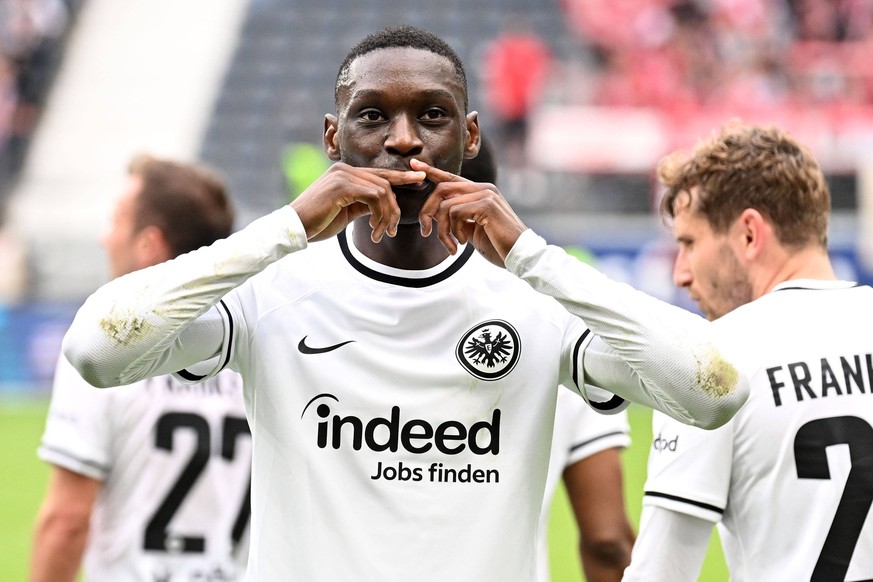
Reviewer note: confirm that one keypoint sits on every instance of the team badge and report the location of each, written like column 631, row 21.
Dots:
column 489, row 350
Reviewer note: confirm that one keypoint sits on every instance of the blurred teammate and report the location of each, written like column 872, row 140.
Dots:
column 789, row 480
column 400, row 394
column 151, row 481
column 585, row 452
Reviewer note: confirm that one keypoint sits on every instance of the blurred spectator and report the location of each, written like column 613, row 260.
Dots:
column 31, row 36
column 515, row 69
column 13, row 266
column 8, row 104
column 620, row 24
column 832, row 20
column 740, row 54
column 644, row 78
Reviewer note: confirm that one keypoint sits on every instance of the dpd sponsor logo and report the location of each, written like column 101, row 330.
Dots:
column 661, row 444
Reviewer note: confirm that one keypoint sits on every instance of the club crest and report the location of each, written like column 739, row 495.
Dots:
column 489, row 350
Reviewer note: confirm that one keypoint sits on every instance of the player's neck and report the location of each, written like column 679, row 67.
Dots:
column 407, row 250
column 808, row 263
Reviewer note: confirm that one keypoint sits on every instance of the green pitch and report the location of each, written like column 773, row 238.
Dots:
column 24, row 479
column 23, row 482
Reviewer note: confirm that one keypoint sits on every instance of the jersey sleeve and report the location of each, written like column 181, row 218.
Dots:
column 678, row 560
column 689, row 469
column 589, row 432
column 649, row 352
column 78, row 427
column 231, row 331
column 577, row 338
column 152, row 322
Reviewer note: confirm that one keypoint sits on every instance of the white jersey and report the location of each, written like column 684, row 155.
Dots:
column 403, row 419
column 175, row 462
column 790, row 478
column 579, row 433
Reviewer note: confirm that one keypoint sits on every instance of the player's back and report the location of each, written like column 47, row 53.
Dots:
column 175, row 461
column 801, row 482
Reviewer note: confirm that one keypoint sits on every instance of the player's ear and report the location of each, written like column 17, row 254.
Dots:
column 331, row 145
column 152, row 246
column 473, row 140
column 755, row 230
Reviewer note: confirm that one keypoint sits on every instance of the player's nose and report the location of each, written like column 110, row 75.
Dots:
column 681, row 271
column 403, row 137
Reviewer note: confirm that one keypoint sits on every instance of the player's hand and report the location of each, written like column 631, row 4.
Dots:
column 344, row 193
column 468, row 211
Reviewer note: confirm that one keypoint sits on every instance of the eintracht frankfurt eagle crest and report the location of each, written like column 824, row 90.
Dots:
column 489, row 350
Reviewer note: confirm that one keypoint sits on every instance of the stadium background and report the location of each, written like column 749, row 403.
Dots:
column 243, row 85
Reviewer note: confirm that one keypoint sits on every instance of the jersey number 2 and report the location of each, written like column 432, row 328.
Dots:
column 809, row 452
column 233, row 427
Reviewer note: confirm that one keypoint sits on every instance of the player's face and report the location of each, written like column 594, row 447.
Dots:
column 399, row 104
column 120, row 238
column 708, row 266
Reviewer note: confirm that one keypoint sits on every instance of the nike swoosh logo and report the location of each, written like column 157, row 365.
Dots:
column 304, row 349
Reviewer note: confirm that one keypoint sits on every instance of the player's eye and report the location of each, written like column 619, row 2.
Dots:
column 371, row 115
column 433, row 114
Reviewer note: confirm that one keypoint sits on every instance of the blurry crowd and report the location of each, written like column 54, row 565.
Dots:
column 31, row 36
column 681, row 55
column 32, row 33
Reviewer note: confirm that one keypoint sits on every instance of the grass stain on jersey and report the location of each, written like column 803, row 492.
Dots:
column 716, row 376
column 123, row 328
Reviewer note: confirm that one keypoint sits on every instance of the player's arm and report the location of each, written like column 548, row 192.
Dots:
column 156, row 320
column 62, row 526
column 595, row 489
column 687, row 489
column 645, row 350
column 654, row 353
column 680, row 559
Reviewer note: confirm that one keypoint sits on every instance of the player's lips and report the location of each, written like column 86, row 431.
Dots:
column 418, row 187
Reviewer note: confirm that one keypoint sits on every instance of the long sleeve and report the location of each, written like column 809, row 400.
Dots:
column 651, row 352
column 149, row 322
column 670, row 547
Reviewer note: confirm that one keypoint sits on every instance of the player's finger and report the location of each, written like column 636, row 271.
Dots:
column 430, row 210
column 377, row 194
column 435, row 175
column 426, row 216
column 398, row 177
column 463, row 217
column 363, row 193
column 433, row 207
column 454, row 220
column 384, row 211
column 433, row 210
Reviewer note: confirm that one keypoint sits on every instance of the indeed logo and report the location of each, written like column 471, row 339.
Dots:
column 393, row 432
column 662, row 444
